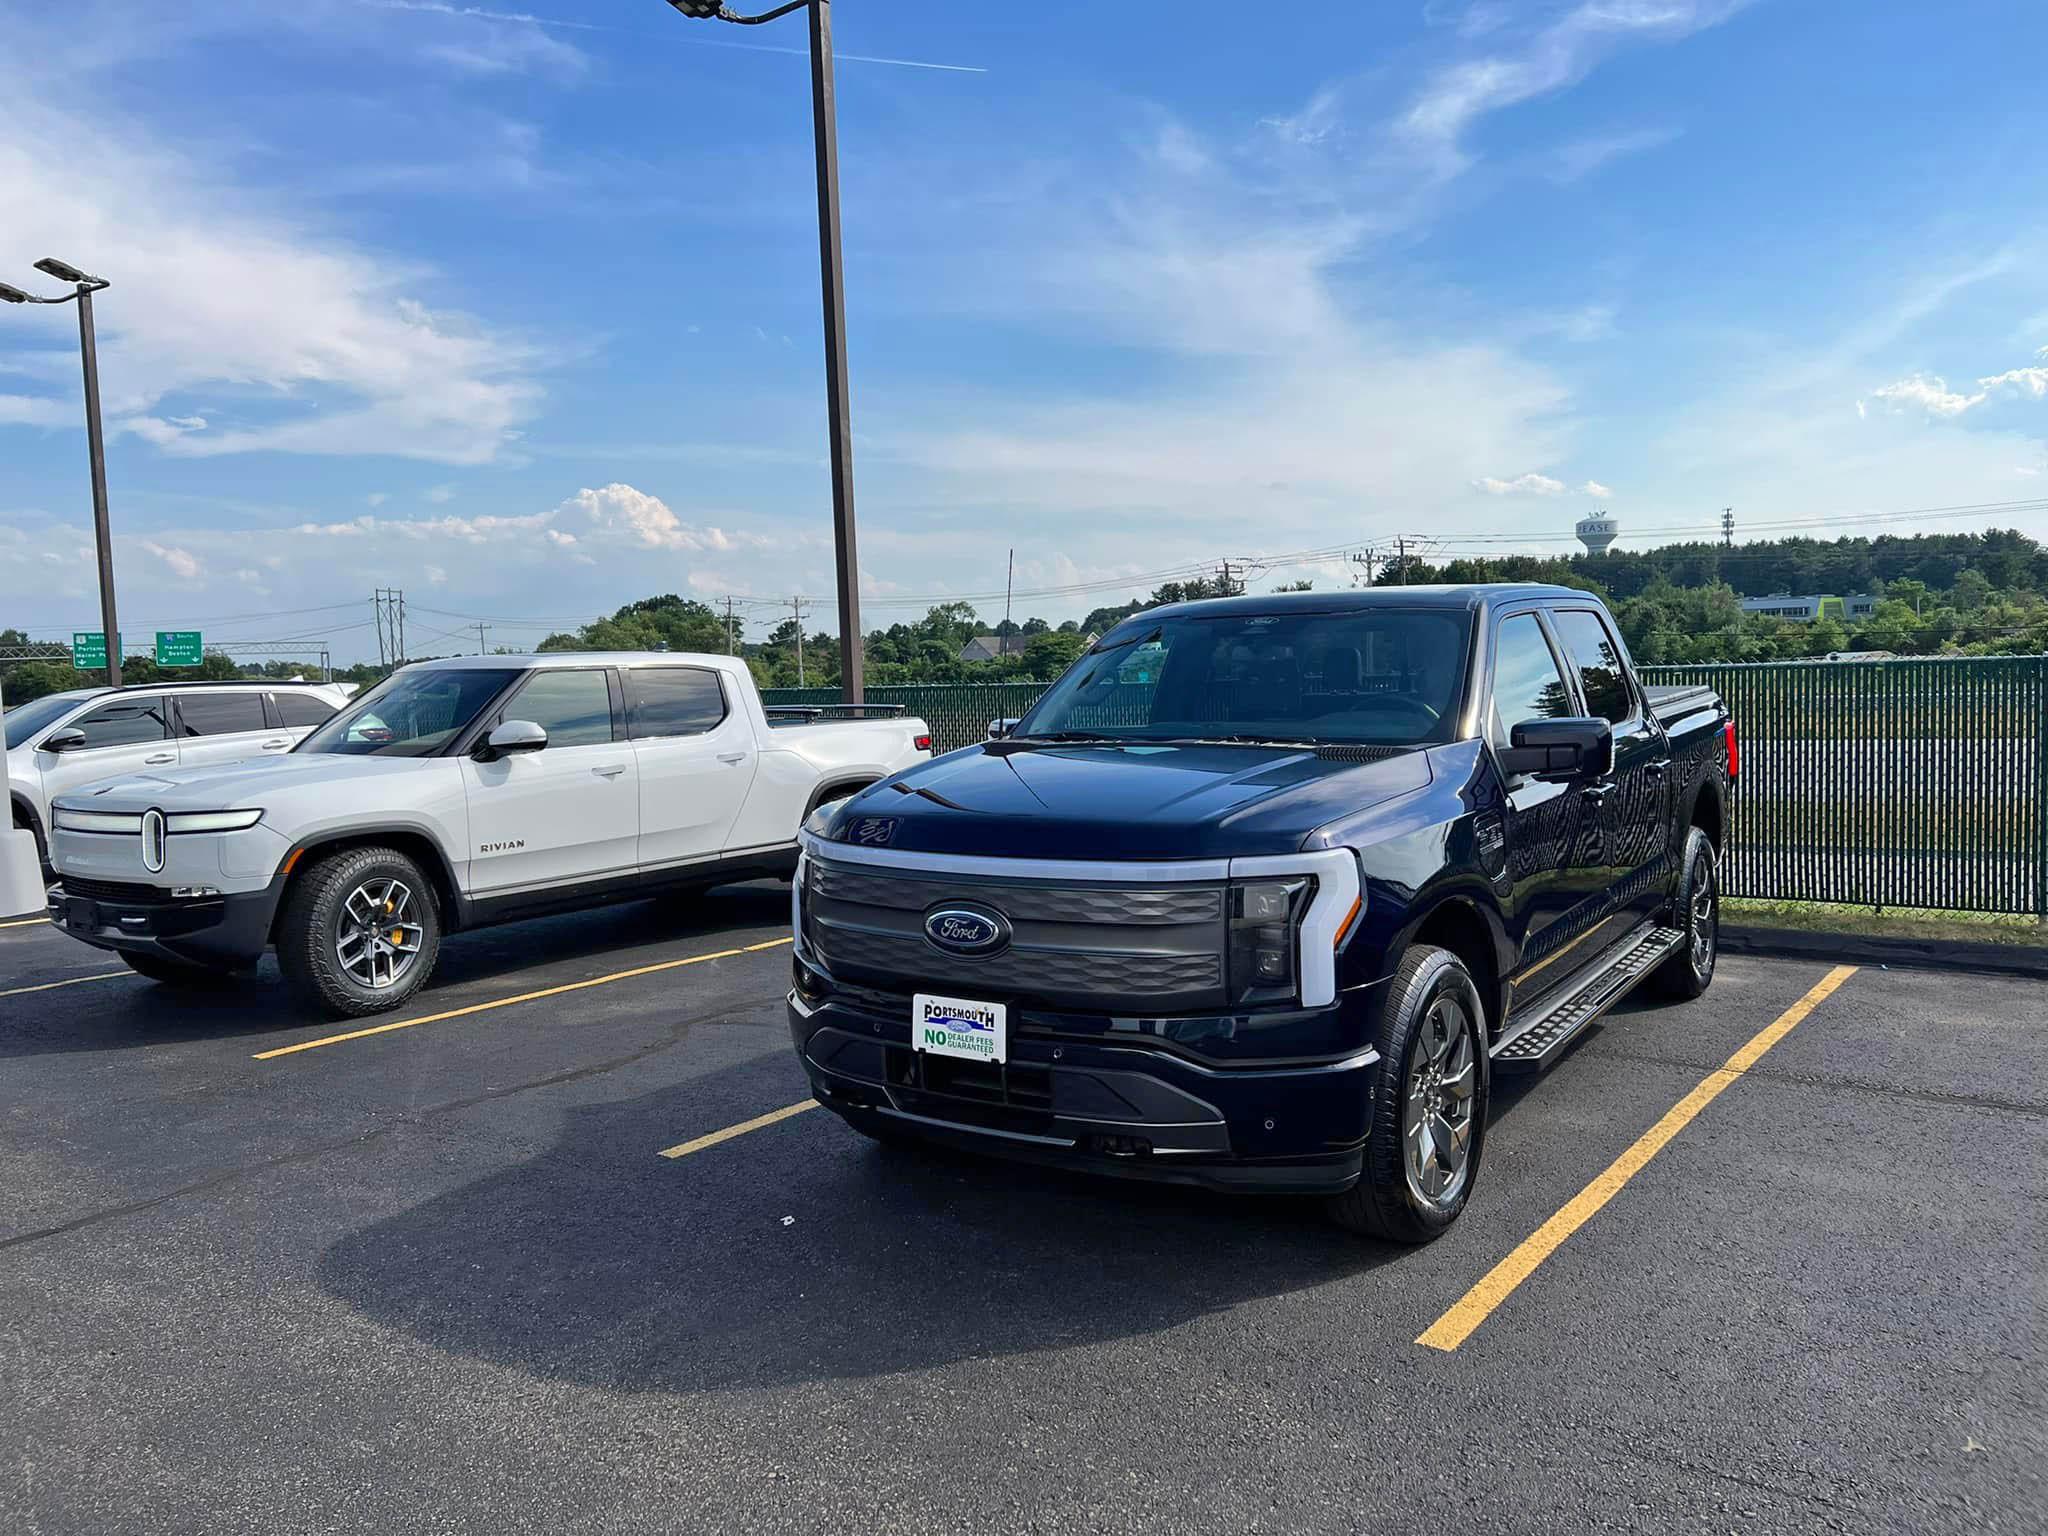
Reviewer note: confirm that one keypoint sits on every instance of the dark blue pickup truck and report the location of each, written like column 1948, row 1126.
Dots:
column 1264, row 891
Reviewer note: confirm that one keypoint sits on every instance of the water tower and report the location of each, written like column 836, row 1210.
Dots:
column 1597, row 532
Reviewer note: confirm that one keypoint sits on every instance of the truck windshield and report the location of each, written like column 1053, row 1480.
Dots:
column 410, row 714
column 1386, row 676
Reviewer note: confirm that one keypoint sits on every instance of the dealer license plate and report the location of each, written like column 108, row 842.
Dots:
column 959, row 1026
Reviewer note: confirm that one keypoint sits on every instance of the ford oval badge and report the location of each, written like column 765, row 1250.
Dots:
column 966, row 930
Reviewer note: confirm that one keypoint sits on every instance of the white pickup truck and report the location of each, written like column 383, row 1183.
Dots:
column 455, row 794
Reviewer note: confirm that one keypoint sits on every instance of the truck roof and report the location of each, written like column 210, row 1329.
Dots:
column 1469, row 596
column 550, row 659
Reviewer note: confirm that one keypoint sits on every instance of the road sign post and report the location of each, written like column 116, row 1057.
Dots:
column 179, row 648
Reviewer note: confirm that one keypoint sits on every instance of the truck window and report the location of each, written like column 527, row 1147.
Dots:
column 672, row 701
column 219, row 714
column 1526, row 682
column 574, row 706
column 123, row 724
column 302, row 708
column 1601, row 673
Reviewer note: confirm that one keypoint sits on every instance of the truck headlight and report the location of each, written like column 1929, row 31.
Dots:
column 1265, row 918
column 211, row 821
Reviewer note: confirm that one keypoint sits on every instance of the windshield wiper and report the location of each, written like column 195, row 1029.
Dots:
column 1241, row 739
column 1069, row 738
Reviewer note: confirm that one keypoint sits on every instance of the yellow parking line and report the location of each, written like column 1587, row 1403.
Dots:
column 24, row 922
column 507, row 1002
column 741, row 1129
column 1477, row 1304
column 74, row 981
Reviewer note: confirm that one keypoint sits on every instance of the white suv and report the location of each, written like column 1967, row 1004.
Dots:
column 64, row 740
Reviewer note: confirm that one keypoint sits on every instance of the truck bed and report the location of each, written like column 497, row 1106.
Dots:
column 1672, row 704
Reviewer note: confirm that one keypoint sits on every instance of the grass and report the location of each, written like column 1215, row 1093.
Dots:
column 1884, row 922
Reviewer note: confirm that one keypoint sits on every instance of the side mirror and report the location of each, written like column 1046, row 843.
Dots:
column 998, row 729
column 1559, row 749
column 70, row 739
column 513, row 736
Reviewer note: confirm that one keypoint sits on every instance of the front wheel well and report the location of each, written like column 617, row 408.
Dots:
column 416, row 846
column 1458, row 926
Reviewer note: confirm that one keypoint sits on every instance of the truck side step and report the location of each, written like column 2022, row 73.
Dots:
column 1534, row 1044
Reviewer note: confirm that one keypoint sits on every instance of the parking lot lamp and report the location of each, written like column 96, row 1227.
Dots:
column 839, row 410
column 84, row 286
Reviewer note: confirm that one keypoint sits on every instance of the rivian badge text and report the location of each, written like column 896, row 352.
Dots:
column 967, row 930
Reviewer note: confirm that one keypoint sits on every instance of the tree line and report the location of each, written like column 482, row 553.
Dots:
column 1946, row 594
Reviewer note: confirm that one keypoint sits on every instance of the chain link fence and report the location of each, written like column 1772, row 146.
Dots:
column 1909, row 783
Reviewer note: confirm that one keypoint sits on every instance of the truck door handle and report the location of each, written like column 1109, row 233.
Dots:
column 609, row 773
column 277, row 746
column 1656, row 769
column 161, row 757
column 732, row 757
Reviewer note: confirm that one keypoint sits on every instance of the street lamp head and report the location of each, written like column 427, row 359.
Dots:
column 702, row 10
column 12, row 295
column 63, row 271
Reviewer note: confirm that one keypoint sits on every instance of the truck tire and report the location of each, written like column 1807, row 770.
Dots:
column 360, row 932
column 1429, row 1096
column 1696, row 908
column 174, row 973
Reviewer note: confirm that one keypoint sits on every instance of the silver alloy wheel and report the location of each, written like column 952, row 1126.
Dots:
column 1436, row 1115
column 379, row 935
column 1706, row 917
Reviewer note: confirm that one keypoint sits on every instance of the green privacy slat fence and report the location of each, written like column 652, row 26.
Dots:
column 958, row 713
column 1914, row 783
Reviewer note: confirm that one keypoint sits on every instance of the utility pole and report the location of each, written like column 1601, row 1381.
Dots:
column 728, row 626
column 401, row 626
column 796, row 609
column 1368, row 559
column 1727, row 527
column 1232, row 585
column 1009, row 586
column 84, row 286
column 481, row 627
column 1401, row 557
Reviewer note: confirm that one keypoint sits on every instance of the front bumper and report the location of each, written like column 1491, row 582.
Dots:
column 217, row 932
column 1128, row 1110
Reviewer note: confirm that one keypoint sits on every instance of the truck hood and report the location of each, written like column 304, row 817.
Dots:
column 1128, row 802
column 237, row 786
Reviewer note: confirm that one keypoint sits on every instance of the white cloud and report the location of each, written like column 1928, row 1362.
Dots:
column 377, row 498
column 1313, row 124
column 1549, row 59
column 2032, row 382
column 1930, row 393
column 1531, row 484
column 183, row 563
column 1582, row 157
column 319, row 338
column 440, row 495
column 1596, row 490
column 624, row 513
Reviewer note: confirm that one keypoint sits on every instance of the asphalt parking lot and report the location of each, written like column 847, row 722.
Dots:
column 440, row 1277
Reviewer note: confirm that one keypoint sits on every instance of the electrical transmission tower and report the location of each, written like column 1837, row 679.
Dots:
column 388, row 606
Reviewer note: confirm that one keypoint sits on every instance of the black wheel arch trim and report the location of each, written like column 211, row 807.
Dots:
column 446, row 891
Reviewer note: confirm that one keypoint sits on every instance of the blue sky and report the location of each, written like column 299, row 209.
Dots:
column 518, row 309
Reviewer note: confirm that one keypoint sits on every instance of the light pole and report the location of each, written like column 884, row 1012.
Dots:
column 83, row 288
column 839, row 408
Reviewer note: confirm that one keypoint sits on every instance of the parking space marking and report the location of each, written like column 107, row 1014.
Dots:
column 24, row 922
column 74, row 981
column 1499, row 1283
column 741, row 1129
column 507, row 1002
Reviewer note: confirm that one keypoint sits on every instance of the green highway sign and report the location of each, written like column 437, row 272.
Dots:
column 178, row 648
column 89, row 648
